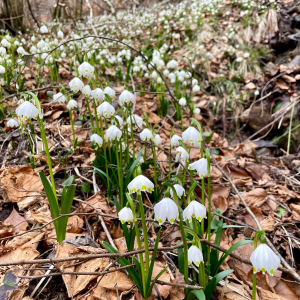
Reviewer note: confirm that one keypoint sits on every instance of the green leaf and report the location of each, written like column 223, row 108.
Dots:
column 215, row 252
column 68, row 181
column 154, row 280
column 131, row 169
column 180, row 260
column 209, row 290
column 98, row 171
column 85, row 187
column 199, row 294
column 232, row 248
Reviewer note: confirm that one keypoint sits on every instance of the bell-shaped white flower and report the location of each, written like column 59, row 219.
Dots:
column 192, row 136
column 59, row 98
column 97, row 139
column 97, row 94
column 86, row 91
column 125, row 215
column 60, row 34
column 157, row 140
column 27, row 110
column 126, row 97
column 182, row 154
column 113, row 132
column 194, row 210
column 196, row 88
column 109, row 91
column 182, row 102
column 105, row 110
column 197, row 111
column 200, row 166
column 44, row 29
column 76, row 84
column 12, row 123
column 72, row 104
column 2, row 70
column 174, row 140
column 120, row 120
column 140, row 184
column 172, row 64
column 136, row 120
column 146, row 134
column 264, row 259
column 179, row 190
column 195, row 256
column 166, row 209
column 86, row 70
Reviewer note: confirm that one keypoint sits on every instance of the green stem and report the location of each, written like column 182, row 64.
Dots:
column 132, row 137
column 90, row 112
column 154, row 166
column 119, row 166
column 45, row 143
column 254, row 287
column 145, row 233
column 108, row 142
column 73, row 131
column 290, row 129
column 170, row 161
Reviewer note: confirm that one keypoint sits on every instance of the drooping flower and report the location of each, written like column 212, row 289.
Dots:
column 27, row 110
column 172, row 64
column 110, row 92
column 138, row 121
column 194, row 210
column 157, row 140
column 195, row 256
column 44, row 29
column 182, row 102
column 97, row 139
column 166, row 209
column 197, row 111
column 174, row 140
column 76, row 84
column 146, row 134
column 182, row 154
column 12, row 123
column 192, row 136
column 200, row 166
column 72, row 104
column 113, row 132
column 125, row 215
column 264, row 259
column 140, row 184
column 97, row 94
column 59, row 98
column 105, row 110
column 86, row 70
column 2, row 70
column 60, row 34
column 196, row 88
column 121, row 122
column 126, row 97
column 86, row 91
column 179, row 190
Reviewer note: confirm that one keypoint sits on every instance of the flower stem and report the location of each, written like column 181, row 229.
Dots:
column 154, row 166
column 44, row 138
column 254, row 287
column 73, row 131
column 96, row 116
column 89, row 109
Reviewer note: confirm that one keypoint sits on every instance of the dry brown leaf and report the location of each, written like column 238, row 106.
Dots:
column 219, row 202
column 19, row 223
column 18, row 241
column 75, row 224
column 20, row 184
column 177, row 293
column 245, row 149
column 268, row 223
column 255, row 197
column 267, row 295
column 109, row 281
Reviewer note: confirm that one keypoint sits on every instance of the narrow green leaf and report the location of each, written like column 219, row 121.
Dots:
column 131, row 169
column 68, row 181
column 154, row 280
column 199, row 294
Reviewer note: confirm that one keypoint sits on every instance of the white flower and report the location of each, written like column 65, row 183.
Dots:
column 97, row 139
column 125, row 215
column 44, row 29
column 179, row 190
column 172, row 64
column 86, row 70
column 59, row 98
column 197, row 111
column 182, row 153
column 166, row 72
column 239, row 59
column 2, row 70
column 12, row 123
column 182, row 102
column 60, row 34
column 166, row 209
column 174, row 140
column 157, row 140
column 264, row 259
column 256, row 93
column 120, row 120
column 146, row 134
column 140, row 184
column 76, row 84
column 27, row 110
column 194, row 210
column 246, row 55
column 86, row 91
column 126, row 97
column 200, row 166
column 97, row 94
column 192, row 136
column 109, row 91
column 72, row 104
column 105, row 110
column 195, row 256
column 196, row 88
column 21, row 50
column 113, row 132
column 138, row 121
